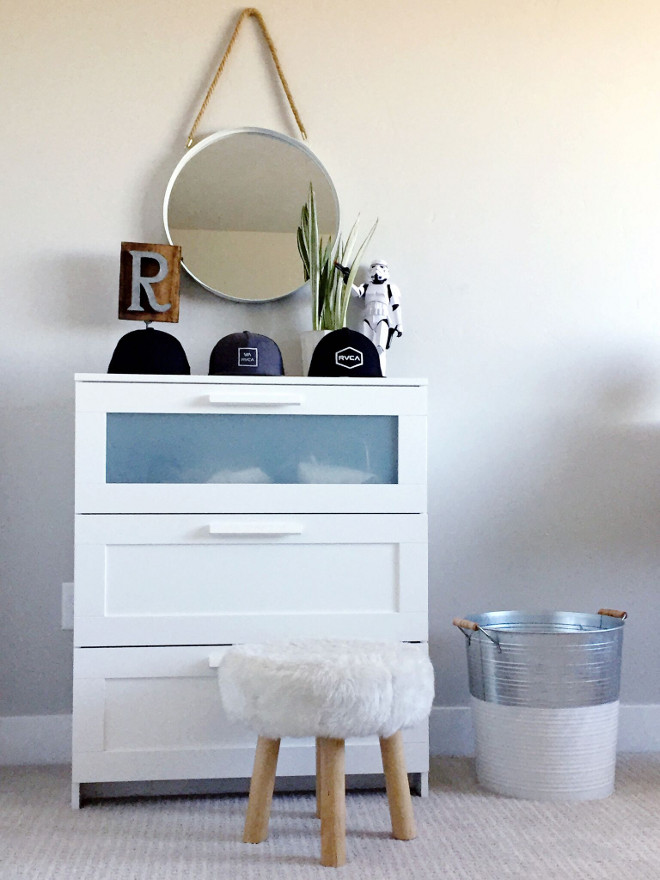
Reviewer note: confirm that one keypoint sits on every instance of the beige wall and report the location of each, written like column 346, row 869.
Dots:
column 510, row 151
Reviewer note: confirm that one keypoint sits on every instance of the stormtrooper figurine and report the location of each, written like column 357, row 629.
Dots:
column 382, row 308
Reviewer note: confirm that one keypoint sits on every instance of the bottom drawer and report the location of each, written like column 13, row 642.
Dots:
column 155, row 714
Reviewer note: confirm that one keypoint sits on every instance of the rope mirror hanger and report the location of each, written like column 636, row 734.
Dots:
column 249, row 12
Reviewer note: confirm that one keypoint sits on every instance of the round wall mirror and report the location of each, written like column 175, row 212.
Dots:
column 233, row 205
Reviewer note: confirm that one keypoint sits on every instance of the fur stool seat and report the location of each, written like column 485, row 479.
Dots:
column 331, row 690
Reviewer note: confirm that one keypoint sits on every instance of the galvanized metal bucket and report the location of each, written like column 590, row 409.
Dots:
column 544, row 692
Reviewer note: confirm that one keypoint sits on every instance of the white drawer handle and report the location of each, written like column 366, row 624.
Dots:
column 214, row 660
column 256, row 528
column 264, row 398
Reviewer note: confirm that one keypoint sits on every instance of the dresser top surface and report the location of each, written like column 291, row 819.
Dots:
column 122, row 378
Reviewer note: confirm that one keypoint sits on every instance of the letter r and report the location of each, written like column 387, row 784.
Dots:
column 139, row 282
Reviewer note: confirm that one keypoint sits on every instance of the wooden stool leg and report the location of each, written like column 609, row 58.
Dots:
column 398, row 790
column 333, row 802
column 261, row 790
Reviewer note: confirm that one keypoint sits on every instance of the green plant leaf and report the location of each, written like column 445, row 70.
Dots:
column 353, row 269
column 303, row 251
column 350, row 241
column 314, row 265
column 330, row 295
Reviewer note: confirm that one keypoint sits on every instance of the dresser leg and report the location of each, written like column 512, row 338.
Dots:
column 319, row 786
column 261, row 790
column 419, row 784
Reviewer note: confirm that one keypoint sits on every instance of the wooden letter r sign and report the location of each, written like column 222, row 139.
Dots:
column 149, row 282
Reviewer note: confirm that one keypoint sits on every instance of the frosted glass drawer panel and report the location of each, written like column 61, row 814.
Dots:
column 251, row 448
column 185, row 579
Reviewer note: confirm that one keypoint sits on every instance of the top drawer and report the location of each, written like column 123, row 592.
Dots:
column 214, row 446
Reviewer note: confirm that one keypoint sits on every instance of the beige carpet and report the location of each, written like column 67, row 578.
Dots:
column 463, row 833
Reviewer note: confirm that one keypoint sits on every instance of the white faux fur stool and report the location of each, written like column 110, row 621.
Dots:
column 331, row 690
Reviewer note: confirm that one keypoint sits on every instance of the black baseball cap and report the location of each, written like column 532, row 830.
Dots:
column 345, row 353
column 246, row 354
column 150, row 352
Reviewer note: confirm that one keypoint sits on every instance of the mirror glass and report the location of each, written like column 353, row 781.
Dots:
column 233, row 205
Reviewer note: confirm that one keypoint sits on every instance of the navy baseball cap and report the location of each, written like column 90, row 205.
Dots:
column 345, row 353
column 246, row 354
column 150, row 352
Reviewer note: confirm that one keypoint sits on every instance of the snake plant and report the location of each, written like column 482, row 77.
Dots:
column 329, row 267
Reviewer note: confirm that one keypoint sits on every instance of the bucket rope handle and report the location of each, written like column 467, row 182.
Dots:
column 473, row 627
column 611, row 612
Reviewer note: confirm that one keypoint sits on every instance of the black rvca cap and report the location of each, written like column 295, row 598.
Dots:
column 345, row 353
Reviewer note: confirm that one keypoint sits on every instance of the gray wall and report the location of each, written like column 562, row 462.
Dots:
column 509, row 151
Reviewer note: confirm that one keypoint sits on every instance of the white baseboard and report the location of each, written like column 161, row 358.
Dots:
column 46, row 739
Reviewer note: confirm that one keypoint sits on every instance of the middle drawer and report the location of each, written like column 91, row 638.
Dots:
column 205, row 579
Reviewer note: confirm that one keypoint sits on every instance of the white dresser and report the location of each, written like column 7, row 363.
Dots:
column 216, row 510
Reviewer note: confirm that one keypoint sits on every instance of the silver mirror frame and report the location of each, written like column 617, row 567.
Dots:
column 209, row 141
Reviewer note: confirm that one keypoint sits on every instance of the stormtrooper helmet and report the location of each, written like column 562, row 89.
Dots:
column 379, row 271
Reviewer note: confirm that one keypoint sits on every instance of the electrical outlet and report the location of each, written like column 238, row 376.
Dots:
column 67, row 606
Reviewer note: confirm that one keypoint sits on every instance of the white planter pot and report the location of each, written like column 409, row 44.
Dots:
column 309, row 339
